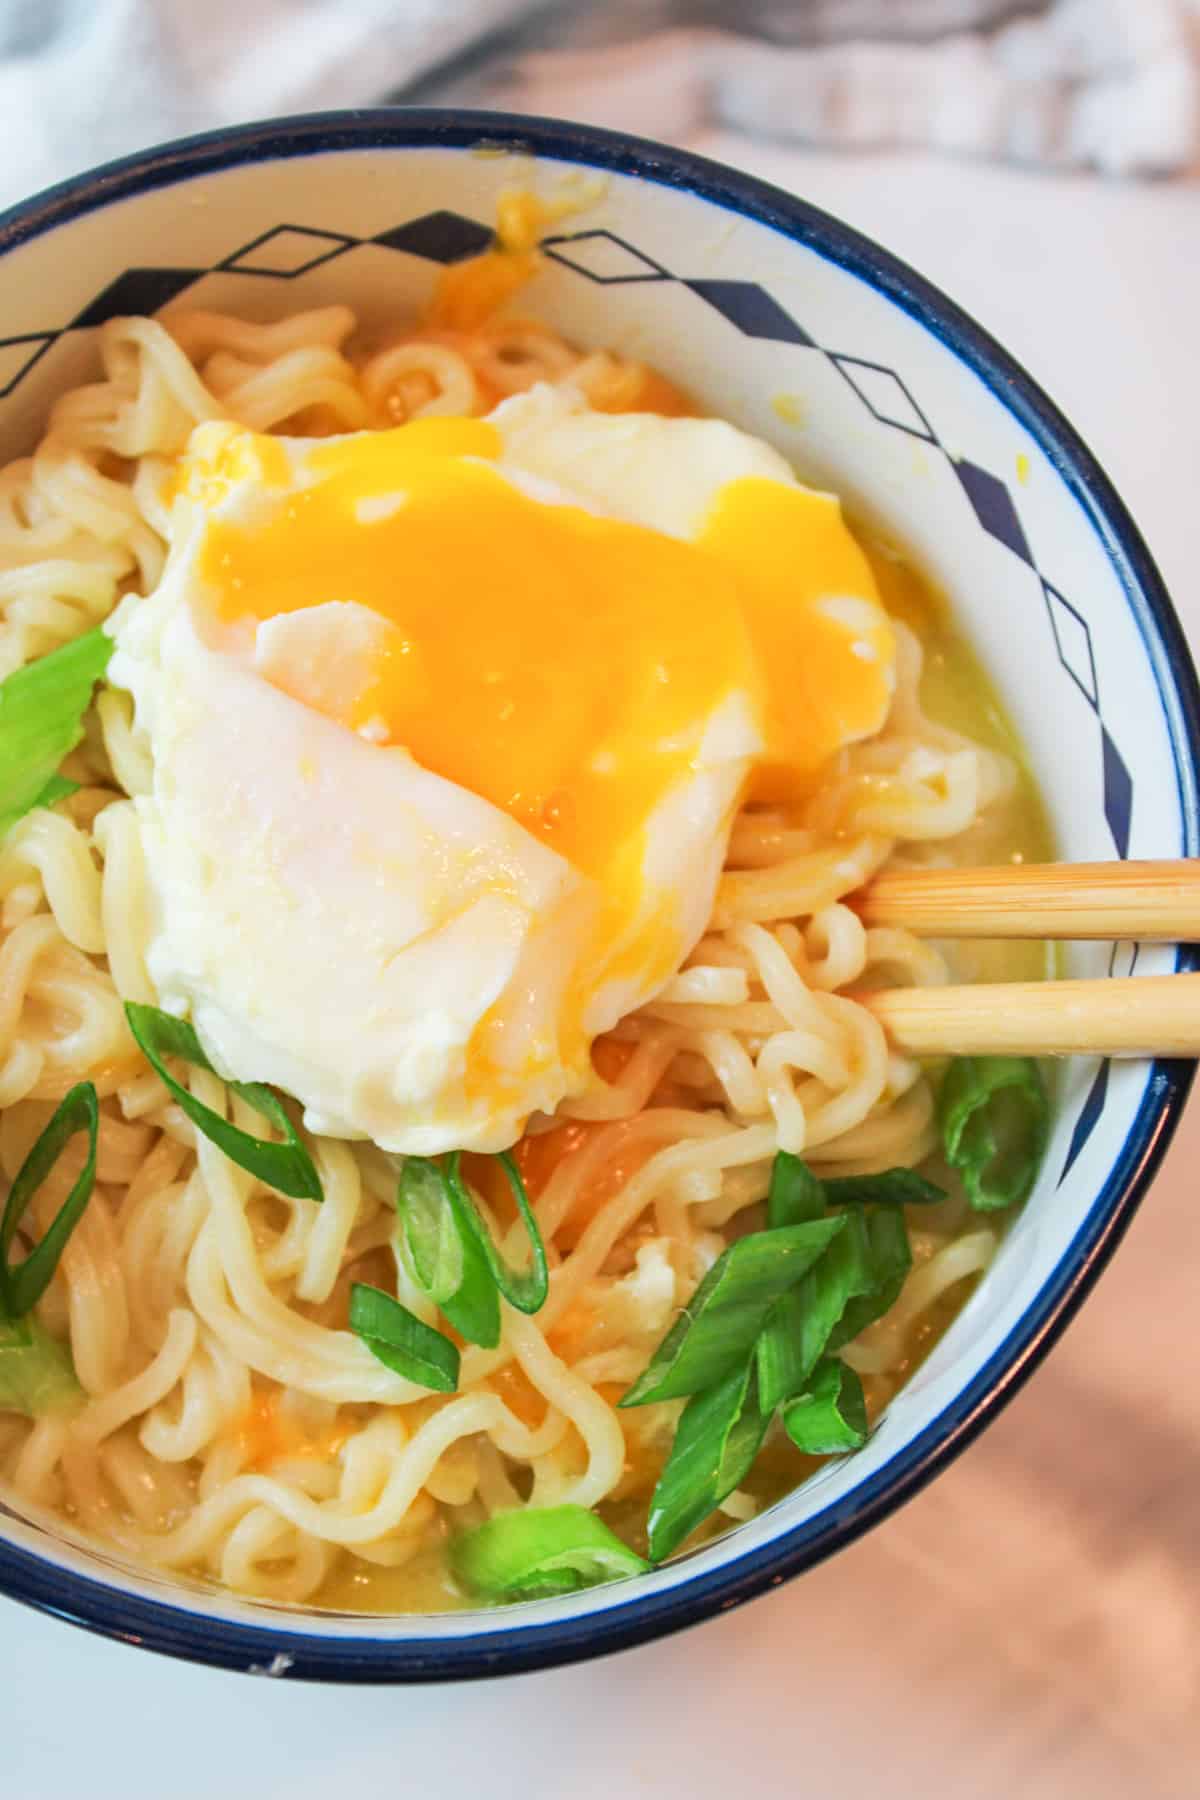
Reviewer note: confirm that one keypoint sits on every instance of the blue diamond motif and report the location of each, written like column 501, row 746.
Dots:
column 603, row 257
column 18, row 355
column 1086, row 1123
column 752, row 310
column 136, row 291
column 287, row 251
column 1123, row 958
column 1118, row 794
column 884, row 395
column 994, row 507
column 442, row 237
column 1073, row 641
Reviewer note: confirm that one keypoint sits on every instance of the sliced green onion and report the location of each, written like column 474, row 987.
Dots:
column 717, row 1439
column 474, row 1310
column 287, row 1167
column 556, row 1581
column 402, row 1341
column 994, row 1119
column 431, row 1234
column 41, row 718
column 889, row 1258
column 526, row 1289
column 831, row 1415
column 540, row 1551
column 795, row 1194
column 444, row 1252
column 56, row 789
column 894, row 1187
column 794, row 1337
column 37, row 1376
column 715, row 1332
column 21, row 1288
column 781, row 1359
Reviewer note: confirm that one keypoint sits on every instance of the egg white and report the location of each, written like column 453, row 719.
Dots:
column 390, row 949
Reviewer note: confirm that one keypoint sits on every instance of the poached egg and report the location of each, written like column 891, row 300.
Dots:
column 448, row 725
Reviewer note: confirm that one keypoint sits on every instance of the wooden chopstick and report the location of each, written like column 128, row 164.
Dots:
column 1154, row 902
column 1151, row 1015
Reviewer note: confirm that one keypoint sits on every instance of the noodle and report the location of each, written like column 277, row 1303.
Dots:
column 234, row 1427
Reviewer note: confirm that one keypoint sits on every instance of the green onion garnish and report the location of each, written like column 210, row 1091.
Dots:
column 794, row 1337
column 37, row 1375
column 526, row 1289
column 795, row 1194
column 716, row 1442
column 21, row 1288
column 758, row 1334
column 716, row 1331
column 431, row 1236
column 474, row 1310
column 402, row 1341
column 41, row 719
column 287, row 1167
column 894, row 1187
column 831, row 1415
column 541, row 1551
column 451, row 1253
column 994, row 1119
column 889, row 1259
column 781, row 1355
column 56, row 789
column 444, row 1247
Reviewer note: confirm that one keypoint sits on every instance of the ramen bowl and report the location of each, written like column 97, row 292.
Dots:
column 792, row 326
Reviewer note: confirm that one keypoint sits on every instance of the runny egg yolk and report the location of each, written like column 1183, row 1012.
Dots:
column 560, row 664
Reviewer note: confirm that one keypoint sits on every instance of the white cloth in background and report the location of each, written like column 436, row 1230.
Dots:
column 83, row 81
column 1107, row 83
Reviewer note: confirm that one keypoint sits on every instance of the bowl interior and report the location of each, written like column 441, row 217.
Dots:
column 793, row 329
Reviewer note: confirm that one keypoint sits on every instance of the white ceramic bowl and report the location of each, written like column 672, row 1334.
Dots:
column 740, row 293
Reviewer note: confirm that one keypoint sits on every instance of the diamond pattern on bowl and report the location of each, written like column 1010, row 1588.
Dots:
column 603, row 257
column 18, row 355
column 993, row 506
column 1073, row 641
column 442, row 237
column 1089, row 1118
column 1118, row 793
column 1123, row 957
column 136, row 291
column 884, row 395
column 752, row 310
column 287, row 251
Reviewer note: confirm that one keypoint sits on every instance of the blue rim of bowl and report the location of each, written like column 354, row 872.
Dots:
column 520, row 1645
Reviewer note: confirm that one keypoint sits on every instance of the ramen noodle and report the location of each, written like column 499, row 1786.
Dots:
column 227, row 1423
